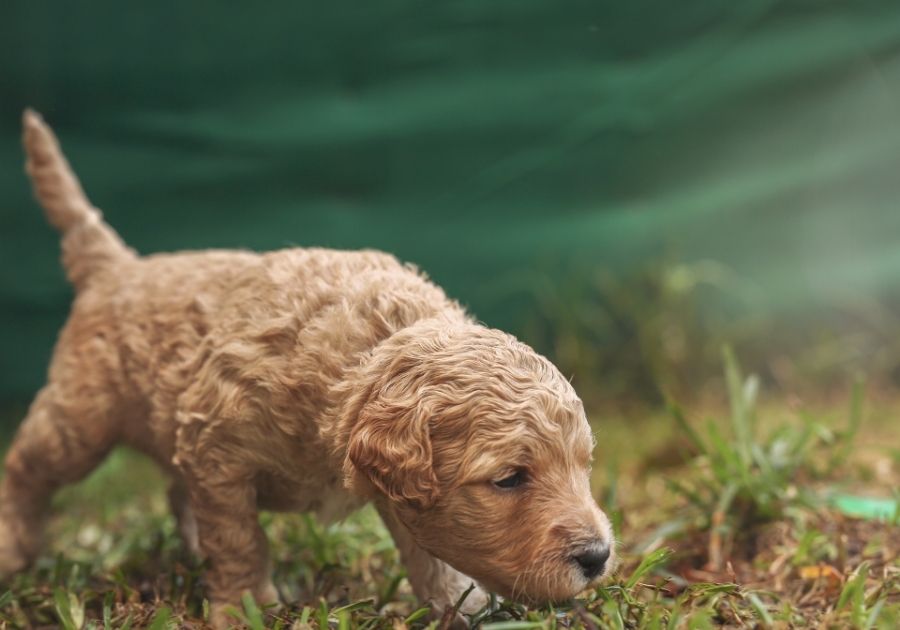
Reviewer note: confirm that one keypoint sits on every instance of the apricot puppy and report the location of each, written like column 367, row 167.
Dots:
column 305, row 379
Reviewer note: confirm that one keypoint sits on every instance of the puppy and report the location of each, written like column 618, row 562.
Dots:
column 305, row 379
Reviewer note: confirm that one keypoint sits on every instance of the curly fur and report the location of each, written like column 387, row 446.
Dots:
column 302, row 379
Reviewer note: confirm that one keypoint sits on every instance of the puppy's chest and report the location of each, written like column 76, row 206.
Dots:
column 323, row 494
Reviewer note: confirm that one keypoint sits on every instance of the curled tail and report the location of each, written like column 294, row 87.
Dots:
column 88, row 243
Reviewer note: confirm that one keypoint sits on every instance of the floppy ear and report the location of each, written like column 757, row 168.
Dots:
column 382, row 430
column 390, row 448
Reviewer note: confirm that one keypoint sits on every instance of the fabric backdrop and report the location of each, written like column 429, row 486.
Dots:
column 480, row 140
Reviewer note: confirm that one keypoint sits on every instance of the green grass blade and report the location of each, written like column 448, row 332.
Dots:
column 739, row 395
column 107, row 610
column 416, row 615
column 252, row 612
column 675, row 618
column 681, row 422
column 853, row 589
column 322, row 614
column 853, row 425
column 856, row 408
column 63, row 607
column 761, row 611
column 874, row 613
column 161, row 619
column 726, row 497
column 389, row 591
column 364, row 603
column 692, row 496
column 652, row 561
column 700, row 619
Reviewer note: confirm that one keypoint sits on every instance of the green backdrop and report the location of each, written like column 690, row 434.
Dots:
column 482, row 140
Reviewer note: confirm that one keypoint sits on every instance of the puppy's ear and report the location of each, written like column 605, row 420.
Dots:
column 383, row 425
column 390, row 448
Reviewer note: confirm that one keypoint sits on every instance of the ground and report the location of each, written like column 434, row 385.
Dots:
column 768, row 515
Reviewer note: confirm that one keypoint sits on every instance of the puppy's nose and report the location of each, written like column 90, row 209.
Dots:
column 592, row 560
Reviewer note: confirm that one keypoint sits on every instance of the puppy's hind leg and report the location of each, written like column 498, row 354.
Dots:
column 52, row 448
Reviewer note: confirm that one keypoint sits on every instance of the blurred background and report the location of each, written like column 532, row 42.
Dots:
column 626, row 186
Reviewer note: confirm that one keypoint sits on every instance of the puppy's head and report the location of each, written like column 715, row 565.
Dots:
column 481, row 448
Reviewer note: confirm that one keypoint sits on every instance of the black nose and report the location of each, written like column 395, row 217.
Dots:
column 592, row 560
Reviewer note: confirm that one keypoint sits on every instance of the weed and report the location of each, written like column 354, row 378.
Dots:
column 743, row 478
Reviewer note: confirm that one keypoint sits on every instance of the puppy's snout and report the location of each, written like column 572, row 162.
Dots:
column 592, row 560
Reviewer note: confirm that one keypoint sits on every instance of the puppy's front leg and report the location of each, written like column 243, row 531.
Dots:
column 180, row 505
column 224, row 504
column 433, row 581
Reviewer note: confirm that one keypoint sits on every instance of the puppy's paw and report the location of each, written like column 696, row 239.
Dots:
column 457, row 622
column 224, row 615
column 11, row 561
column 475, row 601
column 221, row 617
column 267, row 595
column 12, row 557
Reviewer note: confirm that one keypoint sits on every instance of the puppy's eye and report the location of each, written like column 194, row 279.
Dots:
column 514, row 480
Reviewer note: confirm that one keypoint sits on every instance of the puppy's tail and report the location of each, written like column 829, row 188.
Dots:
column 88, row 243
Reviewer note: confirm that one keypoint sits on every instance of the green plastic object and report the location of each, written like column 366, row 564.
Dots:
column 870, row 508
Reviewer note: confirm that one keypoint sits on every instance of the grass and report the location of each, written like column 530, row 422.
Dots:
column 743, row 479
column 723, row 523
column 651, row 331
